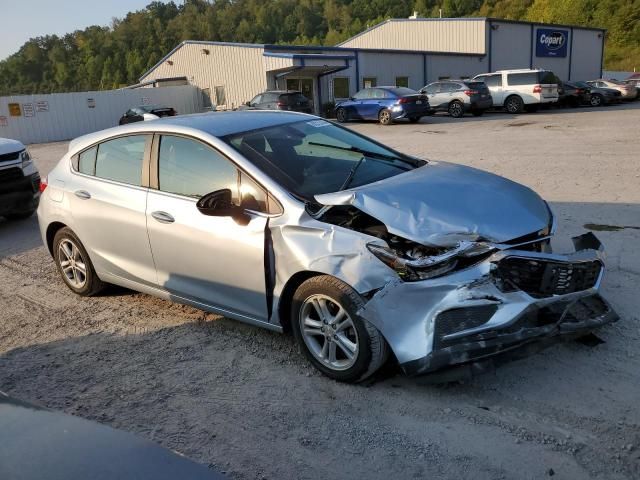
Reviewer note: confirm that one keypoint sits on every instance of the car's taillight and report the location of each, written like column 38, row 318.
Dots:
column 43, row 184
column 283, row 106
column 537, row 89
column 404, row 100
column 579, row 91
column 468, row 93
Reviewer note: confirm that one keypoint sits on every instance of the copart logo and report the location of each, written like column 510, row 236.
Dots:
column 553, row 41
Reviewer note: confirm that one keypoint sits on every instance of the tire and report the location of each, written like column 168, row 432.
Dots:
column 514, row 104
column 68, row 249
column 477, row 113
column 316, row 305
column 596, row 100
column 385, row 117
column 456, row 109
column 341, row 115
column 19, row 216
column 414, row 119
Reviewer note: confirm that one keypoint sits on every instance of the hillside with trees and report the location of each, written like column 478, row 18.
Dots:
column 105, row 57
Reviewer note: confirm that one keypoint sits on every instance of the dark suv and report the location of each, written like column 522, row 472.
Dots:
column 458, row 96
column 146, row 112
column 291, row 100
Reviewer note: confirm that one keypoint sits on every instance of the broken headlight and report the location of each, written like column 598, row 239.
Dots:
column 420, row 263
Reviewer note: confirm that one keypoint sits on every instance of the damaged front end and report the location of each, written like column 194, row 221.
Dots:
column 462, row 304
column 514, row 295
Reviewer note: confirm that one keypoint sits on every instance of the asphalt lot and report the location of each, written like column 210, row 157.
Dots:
column 244, row 400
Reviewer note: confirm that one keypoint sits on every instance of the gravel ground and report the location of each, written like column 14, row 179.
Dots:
column 245, row 401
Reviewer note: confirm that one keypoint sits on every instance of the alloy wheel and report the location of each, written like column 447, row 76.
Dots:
column 385, row 117
column 72, row 264
column 329, row 332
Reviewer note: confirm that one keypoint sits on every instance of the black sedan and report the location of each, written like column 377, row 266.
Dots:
column 572, row 95
column 146, row 112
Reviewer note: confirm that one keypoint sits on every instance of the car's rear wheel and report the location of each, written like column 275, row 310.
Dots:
column 456, row 109
column 596, row 100
column 332, row 336
column 74, row 264
column 385, row 117
column 514, row 104
column 341, row 115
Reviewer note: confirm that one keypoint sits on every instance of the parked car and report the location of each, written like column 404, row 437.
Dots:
column 628, row 92
column 385, row 104
column 38, row 443
column 290, row 222
column 144, row 113
column 572, row 95
column 600, row 96
column 634, row 82
column 19, row 181
column 291, row 100
column 458, row 97
column 518, row 90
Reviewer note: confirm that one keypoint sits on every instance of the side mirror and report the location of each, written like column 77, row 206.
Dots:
column 220, row 204
column 352, row 98
column 248, row 104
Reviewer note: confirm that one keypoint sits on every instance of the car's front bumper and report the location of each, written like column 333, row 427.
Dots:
column 18, row 193
column 509, row 300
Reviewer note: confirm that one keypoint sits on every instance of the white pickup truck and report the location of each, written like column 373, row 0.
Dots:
column 19, row 181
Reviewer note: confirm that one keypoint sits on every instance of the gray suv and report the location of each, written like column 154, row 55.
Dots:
column 458, row 97
column 291, row 100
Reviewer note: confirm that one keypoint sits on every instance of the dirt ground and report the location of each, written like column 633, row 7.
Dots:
column 245, row 401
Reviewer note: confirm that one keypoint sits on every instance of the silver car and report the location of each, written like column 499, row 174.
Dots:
column 289, row 222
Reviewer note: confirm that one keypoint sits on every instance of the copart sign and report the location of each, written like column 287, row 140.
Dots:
column 551, row 43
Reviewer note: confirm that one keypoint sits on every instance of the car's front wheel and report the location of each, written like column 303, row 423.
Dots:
column 74, row 264
column 332, row 336
column 341, row 115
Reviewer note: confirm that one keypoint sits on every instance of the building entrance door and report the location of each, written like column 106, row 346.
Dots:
column 304, row 85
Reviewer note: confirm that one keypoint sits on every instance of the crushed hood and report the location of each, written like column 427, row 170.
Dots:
column 442, row 203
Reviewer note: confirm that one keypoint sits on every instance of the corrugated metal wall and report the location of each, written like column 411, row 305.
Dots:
column 239, row 69
column 586, row 56
column 449, row 35
column 63, row 116
column 510, row 45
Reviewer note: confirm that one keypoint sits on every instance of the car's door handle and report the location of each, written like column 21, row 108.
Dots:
column 163, row 217
column 83, row 194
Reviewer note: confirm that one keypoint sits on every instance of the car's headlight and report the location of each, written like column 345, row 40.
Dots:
column 416, row 268
column 26, row 159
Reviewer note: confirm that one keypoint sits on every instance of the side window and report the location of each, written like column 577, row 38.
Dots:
column 447, row 87
column 252, row 195
column 191, row 168
column 87, row 161
column 432, row 89
column 363, row 94
column 492, row 80
column 121, row 159
column 256, row 100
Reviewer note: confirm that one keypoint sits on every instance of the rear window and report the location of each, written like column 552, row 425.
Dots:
column 402, row 91
column 476, row 85
column 547, row 77
column 294, row 98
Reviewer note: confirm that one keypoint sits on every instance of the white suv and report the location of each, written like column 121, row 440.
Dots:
column 518, row 90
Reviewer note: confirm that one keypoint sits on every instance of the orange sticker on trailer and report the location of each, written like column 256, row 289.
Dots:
column 14, row 110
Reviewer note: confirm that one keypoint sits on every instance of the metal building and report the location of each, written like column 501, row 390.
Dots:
column 404, row 52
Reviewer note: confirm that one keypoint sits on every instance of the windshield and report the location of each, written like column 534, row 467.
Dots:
column 312, row 157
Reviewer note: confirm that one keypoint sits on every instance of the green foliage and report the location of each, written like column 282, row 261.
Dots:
column 110, row 57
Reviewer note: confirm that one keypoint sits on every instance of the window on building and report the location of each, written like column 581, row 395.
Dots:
column 221, row 98
column 191, row 168
column 206, row 98
column 341, row 87
column 402, row 82
column 120, row 159
column 369, row 82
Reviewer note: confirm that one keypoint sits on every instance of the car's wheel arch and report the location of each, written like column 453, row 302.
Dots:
column 52, row 229
column 286, row 296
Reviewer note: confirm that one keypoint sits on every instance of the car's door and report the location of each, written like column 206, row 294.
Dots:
column 371, row 106
column 108, row 196
column 215, row 261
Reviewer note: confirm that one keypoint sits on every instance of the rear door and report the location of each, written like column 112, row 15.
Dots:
column 108, row 197
column 214, row 261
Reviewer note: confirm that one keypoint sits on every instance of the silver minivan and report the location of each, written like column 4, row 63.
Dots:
column 290, row 222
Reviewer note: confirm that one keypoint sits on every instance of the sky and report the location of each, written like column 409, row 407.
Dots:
column 25, row 19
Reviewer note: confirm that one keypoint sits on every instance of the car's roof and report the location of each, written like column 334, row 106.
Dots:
column 8, row 145
column 281, row 91
column 218, row 124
